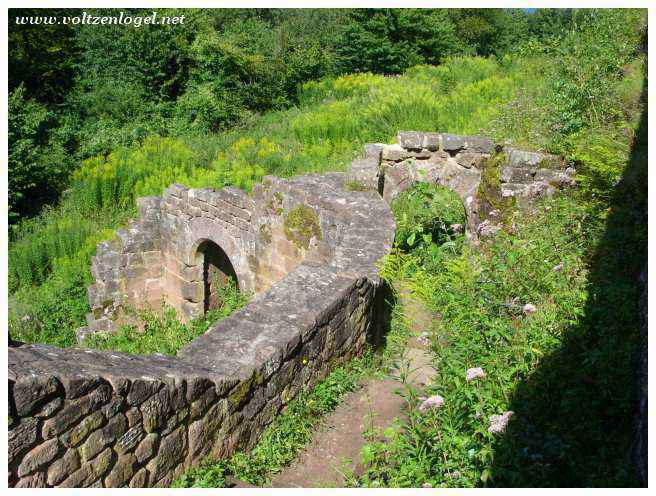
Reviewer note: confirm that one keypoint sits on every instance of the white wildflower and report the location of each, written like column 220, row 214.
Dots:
column 475, row 373
column 433, row 402
column 529, row 308
column 498, row 423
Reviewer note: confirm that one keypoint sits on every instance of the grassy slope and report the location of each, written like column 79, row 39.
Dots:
column 49, row 257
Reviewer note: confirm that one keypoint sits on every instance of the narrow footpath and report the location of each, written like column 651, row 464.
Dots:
column 333, row 454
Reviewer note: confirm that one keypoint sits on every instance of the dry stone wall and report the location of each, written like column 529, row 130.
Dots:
column 157, row 258
column 88, row 418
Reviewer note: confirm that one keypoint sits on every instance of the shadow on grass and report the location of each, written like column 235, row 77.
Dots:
column 574, row 422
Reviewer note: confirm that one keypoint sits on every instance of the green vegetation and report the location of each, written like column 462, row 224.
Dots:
column 78, row 90
column 163, row 332
column 286, row 436
column 301, row 225
column 426, row 216
column 232, row 96
column 291, row 430
column 566, row 370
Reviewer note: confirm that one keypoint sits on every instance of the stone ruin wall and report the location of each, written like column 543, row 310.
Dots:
column 156, row 258
column 87, row 418
column 457, row 162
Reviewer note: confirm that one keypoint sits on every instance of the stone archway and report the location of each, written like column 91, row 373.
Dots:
column 217, row 272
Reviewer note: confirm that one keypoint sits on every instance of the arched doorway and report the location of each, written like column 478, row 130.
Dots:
column 218, row 274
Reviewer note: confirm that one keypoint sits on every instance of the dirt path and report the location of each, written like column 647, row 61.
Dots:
column 334, row 452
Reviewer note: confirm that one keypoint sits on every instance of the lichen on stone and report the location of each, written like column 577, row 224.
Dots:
column 301, row 225
column 265, row 234
column 275, row 203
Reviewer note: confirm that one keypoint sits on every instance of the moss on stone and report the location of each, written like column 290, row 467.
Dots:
column 265, row 234
column 275, row 203
column 239, row 395
column 301, row 225
column 355, row 185
column 489, row 189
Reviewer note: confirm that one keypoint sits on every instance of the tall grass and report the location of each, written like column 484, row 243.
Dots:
column 336, row 116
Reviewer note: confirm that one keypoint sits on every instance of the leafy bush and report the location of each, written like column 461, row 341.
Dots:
column 593, row 58
column 38, row 164
column 50, row 313
column 426, row 214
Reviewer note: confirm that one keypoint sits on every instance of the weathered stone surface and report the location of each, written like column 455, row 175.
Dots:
column 469, row 160
column 83, row 477
column 38, row 457
column 128, row 441
column 453, row 143
column 133, row 416
column 155, row 410
column 373, row 150
column 147, row 448
column 170, row 454
column 31, row 391
column 50, row 408
column 141, row 390
column 523, row 175
column 74, row 411
column 394, row 153
column 102, row 463
column 411, row 140
column 77, row 386
column 22, row 437
column 88, row 424
column 140, row 479
column 62, row 467
column 33, row 480
column 554, row 178
column 523, row 158
column 121, row 472
column 113, row 431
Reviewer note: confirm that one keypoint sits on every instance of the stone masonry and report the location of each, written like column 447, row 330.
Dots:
column 458, row 162
column 306, row 246
column 88, row 418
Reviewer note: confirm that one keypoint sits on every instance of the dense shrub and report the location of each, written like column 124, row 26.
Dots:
column 38, row 163
column 425, row 215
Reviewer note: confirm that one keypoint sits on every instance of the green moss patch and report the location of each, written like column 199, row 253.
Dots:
column 301, row 224
column 489, row 190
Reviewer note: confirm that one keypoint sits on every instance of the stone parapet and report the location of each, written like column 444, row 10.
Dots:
column 88, row 418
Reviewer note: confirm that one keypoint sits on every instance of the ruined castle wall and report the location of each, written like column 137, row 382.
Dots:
column 191, row 216
column 458, row 162
column 127, row 270
column 88, row 418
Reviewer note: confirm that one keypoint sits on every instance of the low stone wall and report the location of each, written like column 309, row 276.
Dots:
column 457, row 162
column 87, row 418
